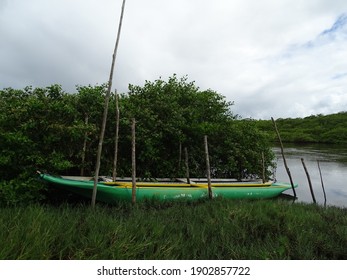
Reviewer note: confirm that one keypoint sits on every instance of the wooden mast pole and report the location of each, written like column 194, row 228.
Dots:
column 133, row 161
column 116, row 140
column 107, row 98
column 208, row 168
column 84, row 149
column 186, row 162
column 321, row 179
column 309, row 180
column 284, row 159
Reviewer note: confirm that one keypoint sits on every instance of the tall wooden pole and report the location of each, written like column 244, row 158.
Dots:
column 179, row 159
column 186, row 162
column 107, row 99
column 133, row 162
column 284, row 159
column 321, row 179
column 309, row 180
column 263, row 166
column 116, row 140
column 84, row 149
column 208, row 168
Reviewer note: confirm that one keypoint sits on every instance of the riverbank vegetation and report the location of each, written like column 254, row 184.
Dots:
column 50, row 130
column 218, row 229
column 324, row 129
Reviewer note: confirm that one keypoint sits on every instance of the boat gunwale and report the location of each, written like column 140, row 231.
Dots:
column 166, row 185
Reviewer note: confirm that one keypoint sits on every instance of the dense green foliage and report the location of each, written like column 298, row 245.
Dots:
column 217, row 229
column 330, row 129
column 50, row 130
column 175, row 115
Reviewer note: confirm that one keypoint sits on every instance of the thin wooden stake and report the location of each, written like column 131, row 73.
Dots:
column 179, row 158
column 321, row 179
column 208, row 168
column 107, row 98
column 263, row 166
column 98, row 157
column 116, row 140
column 309, row 181
column 284, row 159
column 186, row 161
column 133, row 162
column 84, row 149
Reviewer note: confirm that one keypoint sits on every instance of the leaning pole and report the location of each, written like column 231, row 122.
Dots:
column 107, row 98
column 284, row 158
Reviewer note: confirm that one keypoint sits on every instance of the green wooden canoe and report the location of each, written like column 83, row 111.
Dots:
column 112, row 192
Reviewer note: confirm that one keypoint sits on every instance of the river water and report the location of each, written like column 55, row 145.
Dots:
column 333, row 164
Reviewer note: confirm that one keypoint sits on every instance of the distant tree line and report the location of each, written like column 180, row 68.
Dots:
column 329, row 129
column 51, row 130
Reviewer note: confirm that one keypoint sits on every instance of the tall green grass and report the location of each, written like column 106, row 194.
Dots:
column 218, row 229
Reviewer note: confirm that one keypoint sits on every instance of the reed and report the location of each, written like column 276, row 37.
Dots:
column 208, row 229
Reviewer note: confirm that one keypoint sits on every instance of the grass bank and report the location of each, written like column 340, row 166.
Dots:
column 218, row 229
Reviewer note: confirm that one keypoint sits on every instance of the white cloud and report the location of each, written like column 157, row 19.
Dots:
column 271, row 57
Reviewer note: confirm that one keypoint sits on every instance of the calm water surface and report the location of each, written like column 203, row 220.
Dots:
column 333, row 163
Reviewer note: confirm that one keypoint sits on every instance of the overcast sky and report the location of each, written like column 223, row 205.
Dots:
column 273, row 58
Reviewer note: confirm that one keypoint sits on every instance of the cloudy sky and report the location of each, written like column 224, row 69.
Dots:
column 273, row 58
